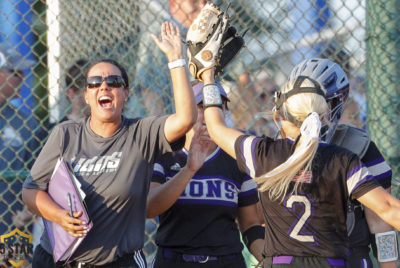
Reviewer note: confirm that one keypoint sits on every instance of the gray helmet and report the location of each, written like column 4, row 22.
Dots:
column 332, row 78
column 328, row 73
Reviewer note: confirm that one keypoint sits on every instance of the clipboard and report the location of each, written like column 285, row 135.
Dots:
column 63, row 183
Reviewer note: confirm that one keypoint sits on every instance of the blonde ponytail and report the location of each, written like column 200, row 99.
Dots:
column 306, row 108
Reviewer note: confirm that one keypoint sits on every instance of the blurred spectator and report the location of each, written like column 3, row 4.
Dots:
column 20, row 136
column 152, row 91
column 239, row 79
column 75, row 82
column 262, row 122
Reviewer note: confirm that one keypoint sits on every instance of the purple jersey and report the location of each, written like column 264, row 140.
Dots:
column 202, row 220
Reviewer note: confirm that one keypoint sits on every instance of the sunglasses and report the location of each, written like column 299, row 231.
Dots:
column 111, row 81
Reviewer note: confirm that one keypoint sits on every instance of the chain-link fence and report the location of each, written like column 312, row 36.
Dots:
column 45, row 38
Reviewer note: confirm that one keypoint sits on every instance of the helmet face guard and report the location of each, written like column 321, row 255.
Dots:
column 337, row 102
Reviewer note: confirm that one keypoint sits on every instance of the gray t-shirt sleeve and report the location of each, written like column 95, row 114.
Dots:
column 43, row 167
column 153, row 142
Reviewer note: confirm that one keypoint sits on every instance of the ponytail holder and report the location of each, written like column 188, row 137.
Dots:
column 311, row 126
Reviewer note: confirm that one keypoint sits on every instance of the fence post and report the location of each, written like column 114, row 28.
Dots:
column 383, row 80
column 53, row 58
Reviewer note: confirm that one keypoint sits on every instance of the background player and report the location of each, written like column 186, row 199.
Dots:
column 198, row 193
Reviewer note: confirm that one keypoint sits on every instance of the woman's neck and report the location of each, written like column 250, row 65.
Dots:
column 289, row 130
column 104, row 129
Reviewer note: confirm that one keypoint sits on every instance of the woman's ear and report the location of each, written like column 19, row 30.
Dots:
column 278, row 116
column 85, row 97
column 70, row 94
column 126, row 94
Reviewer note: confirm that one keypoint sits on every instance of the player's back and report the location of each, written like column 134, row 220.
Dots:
column 311, row 222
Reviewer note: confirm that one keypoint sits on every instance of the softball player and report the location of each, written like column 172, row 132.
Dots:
column 304, row 184
column 198, row 193
column 360, row 220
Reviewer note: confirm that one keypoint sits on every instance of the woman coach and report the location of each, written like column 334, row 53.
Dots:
column 113, row 158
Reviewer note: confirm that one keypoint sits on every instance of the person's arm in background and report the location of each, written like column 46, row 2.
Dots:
column 251, row 229
column 377, row 225
column 185, row 116
column 162, row 196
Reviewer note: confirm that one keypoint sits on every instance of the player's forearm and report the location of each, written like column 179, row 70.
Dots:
column 384, row 205
column 376, row 224
column 185, row 106
column 222, row 135
column 162, row 197
column 392, row 213
column 391, row 264
column 41, row 204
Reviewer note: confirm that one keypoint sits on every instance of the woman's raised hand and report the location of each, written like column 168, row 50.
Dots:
column 170, row 42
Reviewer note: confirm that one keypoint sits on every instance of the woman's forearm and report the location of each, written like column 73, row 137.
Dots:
column 40, row 203
column 162, row 197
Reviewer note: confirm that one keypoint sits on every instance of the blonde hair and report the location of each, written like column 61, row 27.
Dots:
column 302, row 108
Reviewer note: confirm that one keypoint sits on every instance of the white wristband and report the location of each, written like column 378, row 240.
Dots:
column 177, row 63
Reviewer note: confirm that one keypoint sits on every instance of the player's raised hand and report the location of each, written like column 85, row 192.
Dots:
column 199, row 147
column 170, row 42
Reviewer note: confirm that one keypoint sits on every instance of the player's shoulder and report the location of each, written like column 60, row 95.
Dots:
column 68, row 125
column 350, row 131
column 329, row 154
column 352, row 138
column 171, row 160
column 223, row 158
column 143, row 122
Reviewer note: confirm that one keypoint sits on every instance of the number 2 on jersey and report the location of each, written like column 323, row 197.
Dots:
column 305, row 202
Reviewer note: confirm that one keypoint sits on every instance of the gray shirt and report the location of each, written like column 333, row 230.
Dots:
column 115, row 173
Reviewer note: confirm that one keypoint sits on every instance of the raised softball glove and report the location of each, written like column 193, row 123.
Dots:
column 205, row 38
column 231, row 45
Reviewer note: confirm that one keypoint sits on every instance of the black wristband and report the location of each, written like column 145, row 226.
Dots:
column 211, row 96
column 373, row 245
column 253, row 233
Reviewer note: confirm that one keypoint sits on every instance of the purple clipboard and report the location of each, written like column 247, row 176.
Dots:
column 62, row 183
